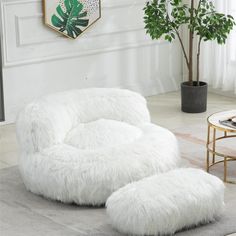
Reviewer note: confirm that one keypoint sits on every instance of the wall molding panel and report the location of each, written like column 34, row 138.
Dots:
column 114, row 52
column 22, row 46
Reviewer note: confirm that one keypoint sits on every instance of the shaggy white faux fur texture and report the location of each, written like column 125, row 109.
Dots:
column 80, row 146
column 165, row 203
column 102, row 133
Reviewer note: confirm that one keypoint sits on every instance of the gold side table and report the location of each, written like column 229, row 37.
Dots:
column 213, row 143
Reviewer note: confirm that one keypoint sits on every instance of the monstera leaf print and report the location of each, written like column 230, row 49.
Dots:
column 71, row 19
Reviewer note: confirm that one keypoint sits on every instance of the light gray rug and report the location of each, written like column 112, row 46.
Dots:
column 25, row 214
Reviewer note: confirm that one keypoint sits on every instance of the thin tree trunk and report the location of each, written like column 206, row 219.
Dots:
column 198, row 53
column 183, row 49
column 191, row 45
column 198, row 60
column 181, row 43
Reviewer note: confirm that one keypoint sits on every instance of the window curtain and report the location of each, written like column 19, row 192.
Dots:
column 218, row 62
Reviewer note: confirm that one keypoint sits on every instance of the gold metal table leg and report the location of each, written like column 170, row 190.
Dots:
column 214, row 145
column 208, row 153
column 225, row 163
column 208, row 161
column 225, row 169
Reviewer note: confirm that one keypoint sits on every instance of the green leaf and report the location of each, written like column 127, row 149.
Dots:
column 57, row 22
column 163, row 20
column 71, row 20
column 172, row 35
column 61, row 13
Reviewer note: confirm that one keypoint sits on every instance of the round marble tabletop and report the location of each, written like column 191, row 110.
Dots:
column 215, row 119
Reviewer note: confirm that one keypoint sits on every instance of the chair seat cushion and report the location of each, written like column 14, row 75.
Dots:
column 166, row 203
column 102, row 133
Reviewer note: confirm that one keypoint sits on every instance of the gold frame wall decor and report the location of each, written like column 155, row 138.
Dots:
column 71, row 17
column 212, row 149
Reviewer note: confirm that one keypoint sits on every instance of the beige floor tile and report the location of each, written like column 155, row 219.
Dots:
column 3, row 165
column 8, row 142
column 9, row 158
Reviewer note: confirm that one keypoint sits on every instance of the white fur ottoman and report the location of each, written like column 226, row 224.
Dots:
column 166, row 203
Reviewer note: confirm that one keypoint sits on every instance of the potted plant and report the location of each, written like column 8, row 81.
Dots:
column 164, row 18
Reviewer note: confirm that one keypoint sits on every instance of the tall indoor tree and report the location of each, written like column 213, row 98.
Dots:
column 165, row 18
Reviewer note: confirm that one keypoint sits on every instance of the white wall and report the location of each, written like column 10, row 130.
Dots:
column 114, row 52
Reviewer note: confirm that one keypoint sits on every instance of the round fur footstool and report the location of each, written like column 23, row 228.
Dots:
column 165, row 203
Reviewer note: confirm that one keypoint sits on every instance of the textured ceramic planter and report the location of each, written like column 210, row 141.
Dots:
column 193, row 97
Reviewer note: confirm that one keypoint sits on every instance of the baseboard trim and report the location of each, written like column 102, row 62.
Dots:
column 230, row 94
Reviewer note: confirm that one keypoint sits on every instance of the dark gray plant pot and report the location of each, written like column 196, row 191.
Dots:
column 193, row 97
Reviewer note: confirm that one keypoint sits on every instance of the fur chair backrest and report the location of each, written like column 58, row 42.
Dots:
column 46, row 121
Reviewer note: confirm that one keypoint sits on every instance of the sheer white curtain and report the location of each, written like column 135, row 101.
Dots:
column 218, row 63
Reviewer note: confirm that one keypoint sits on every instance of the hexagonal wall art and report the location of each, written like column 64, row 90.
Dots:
column 71, row 17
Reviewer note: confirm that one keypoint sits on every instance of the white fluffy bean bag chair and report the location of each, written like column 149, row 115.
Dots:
column 80, row 146
column 165, row 203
